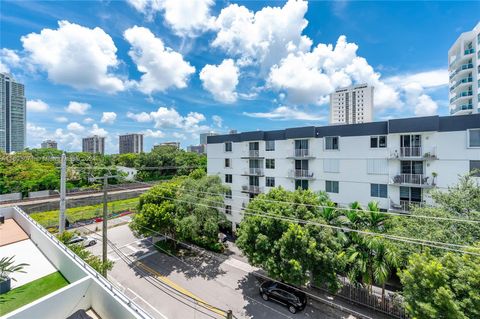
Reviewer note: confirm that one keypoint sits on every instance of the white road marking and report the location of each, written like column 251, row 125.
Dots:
column 146, row 255
column 147, row 303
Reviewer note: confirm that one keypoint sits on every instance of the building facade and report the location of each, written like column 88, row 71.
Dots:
column 351, row 105
column 174, row 144
column 94, row 144
column 463, row 69
column 203, row 137
column 13, row 114
column 392, row 162
column 130, row 143
column 199, row 149
column 49, row 144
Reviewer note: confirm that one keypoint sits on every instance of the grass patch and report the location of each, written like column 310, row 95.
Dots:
column 32, row 291
column 50, row 218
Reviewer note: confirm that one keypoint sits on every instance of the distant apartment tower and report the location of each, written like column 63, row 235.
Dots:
column 12, row 114
column 94, row 144
column 352, row 105
column 199, row 149
column 203, row 137
column 130, row 143
column 464, row 70
column 175, row 144
column 49, row 144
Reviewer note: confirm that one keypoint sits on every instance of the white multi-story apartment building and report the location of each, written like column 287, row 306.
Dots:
column 351, row 105
column 392, row 162
column 94, row 144
column 13, row 114
column 130, row 143
column 464, row 70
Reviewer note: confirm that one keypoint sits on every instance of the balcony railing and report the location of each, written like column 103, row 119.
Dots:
column 462, row 81
column 252, row 189
column 254, row 171
column 412, row 179
column 414, row 152
column 469, row 51
column 301, row 152
column 462, row 107
column 300, row 173
column 460, row 95
column 461, row 68
column 405, row 205
column 253, row 153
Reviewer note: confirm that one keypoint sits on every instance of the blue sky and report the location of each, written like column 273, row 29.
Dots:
column 173, row 69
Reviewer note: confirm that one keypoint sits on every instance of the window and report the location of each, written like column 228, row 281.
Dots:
column 378, row 141
column 228, row 146
column 301, row 183
column 228, row 209
column 253, row 146
column 377, row 166
column 270, row 163
column 378, row 190
column 474, row 138
column 228, row 194
column 227, row 162
column 331, row 142
column 270, row 181
column 331, row 165
column 475, row 165
column 331, row 186
column 269, row 145
column 228, row 178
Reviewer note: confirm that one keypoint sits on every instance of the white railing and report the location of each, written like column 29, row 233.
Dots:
column 405, row 205
column 102, row 280
column 301, row 152
column 301, row 173
column 414, row 179
column 253, row 153
column 254, row 171
column 414, row 152
column 252, row 189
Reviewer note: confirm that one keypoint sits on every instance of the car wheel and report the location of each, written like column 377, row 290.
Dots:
column 292, row 309
column 93, row 242
column 265, row 297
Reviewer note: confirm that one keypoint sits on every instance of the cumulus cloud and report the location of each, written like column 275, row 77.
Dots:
column 61, row 119
column 8, row 59
column 265, row 36
column 162, row 67
column 286, row 113
column 77, row 108
column 37, row 106
column 76, row 56
column 185, row 18
column 153, row 134
column 142, row 117
column 221, row 80
column 217, row 120
column 75, row 127
column 88, row 120
column 108, row 117
column 95, row 130
column 36, row 131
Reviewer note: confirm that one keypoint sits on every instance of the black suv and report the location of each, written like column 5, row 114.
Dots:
column 294, row 299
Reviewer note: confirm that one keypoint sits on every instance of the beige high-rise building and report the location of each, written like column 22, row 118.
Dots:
column 93, row 144
column 130, row 143
column 351, row 105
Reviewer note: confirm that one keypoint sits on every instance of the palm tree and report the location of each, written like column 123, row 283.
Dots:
column 375, row 218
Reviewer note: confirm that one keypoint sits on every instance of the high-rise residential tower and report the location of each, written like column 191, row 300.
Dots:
column 351, row 105
column 94, row 144
column 12, row 114
column 464, row 70
column 203, row 137
column 130, row 143
column 49, row 144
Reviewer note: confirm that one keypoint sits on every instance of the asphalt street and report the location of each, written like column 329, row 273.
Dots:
column 192, row 286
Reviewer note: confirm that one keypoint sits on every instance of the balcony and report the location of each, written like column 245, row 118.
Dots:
column 405, row 206
column 253, row 154
column 460, row 95
column 301, row 153
column 252, row 189
column 413, row 153
column 462, row 81
column 300, row 174
column 415, row 180
column 253, row 172
column 469, row 51
column 461, row 108
column 461, row 68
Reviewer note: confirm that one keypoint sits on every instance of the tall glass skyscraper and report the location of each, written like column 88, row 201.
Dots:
column 12, row 114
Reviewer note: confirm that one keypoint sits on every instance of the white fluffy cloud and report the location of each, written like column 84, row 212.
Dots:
column 61, row 119
column 286, row 113
column 153, row 134
column 108, row 117
column 217, row 120
column 77, row 108
column 36, row 131
column 162, row 67
column 265, row 36
column 95, row 130
column 221, row 80
column 8, row 59
column 75, row 127
column 76, row 56
column 88, row 120
column 185, row 18
column 169, row 118
column 37, row 106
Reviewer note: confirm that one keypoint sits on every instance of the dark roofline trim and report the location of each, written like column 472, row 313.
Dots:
column 405, row 125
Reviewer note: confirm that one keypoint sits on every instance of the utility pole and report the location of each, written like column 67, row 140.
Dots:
column 229, row 314
column 63, row 186
column 105, row 218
